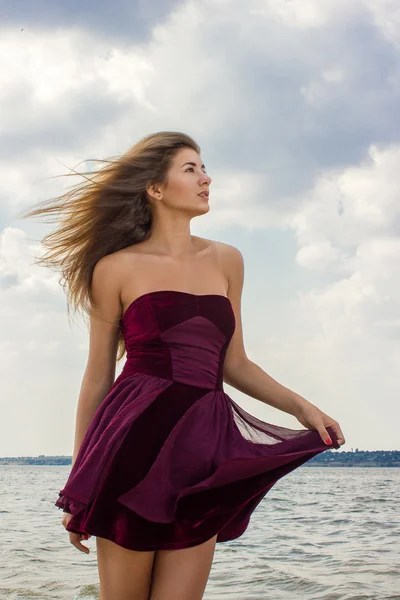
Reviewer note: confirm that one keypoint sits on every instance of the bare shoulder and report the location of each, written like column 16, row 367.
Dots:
column 106, row 269
column 228, row 252
column 224, row 251
column 232, row 264
column 116, row 262
column 105, row 286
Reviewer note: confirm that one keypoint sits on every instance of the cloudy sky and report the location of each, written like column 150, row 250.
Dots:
column 295, row 104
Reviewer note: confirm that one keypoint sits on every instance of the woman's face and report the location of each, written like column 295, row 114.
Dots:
column 187, row 178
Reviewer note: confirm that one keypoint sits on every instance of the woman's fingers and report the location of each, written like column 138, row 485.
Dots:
column 326, row 438
column 313, row 418
column 75, row 539
column 339, row 434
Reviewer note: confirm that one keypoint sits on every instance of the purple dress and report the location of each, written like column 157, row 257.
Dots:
column 169, row 459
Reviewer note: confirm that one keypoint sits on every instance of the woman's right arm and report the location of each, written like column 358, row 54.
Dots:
column 99, row 374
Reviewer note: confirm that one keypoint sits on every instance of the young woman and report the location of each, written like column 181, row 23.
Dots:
column 165, row 464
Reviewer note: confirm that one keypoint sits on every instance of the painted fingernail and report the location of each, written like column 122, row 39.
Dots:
column 328, row 441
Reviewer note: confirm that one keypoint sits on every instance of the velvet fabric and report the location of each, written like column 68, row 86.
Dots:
column 169, row 459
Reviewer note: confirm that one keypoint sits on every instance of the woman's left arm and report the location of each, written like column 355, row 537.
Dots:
column 247, row 377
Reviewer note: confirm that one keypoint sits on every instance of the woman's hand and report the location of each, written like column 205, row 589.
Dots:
column 75, row 538
column 313, row 418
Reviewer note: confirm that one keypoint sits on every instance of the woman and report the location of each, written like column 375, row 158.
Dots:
column 165, row 463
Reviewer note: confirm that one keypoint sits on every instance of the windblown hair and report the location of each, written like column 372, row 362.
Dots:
column 109, row 211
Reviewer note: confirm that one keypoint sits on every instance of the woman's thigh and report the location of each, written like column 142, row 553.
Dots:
column 182, row 574
column 124, row 574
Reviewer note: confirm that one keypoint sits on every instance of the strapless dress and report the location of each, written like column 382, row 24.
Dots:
column 169, row 460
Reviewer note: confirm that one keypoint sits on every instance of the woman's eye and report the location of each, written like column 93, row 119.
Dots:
column 193, row 168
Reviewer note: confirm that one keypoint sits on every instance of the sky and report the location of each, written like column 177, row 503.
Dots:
column 295, row 105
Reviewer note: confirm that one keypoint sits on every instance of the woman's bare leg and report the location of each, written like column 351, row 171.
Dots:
column 124, row 574
column 182, row 574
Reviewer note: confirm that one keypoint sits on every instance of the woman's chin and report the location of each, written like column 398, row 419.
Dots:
column 204, row 208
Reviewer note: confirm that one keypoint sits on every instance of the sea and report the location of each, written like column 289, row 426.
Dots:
column 321, row 533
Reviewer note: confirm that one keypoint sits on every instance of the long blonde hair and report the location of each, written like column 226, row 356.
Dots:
column 109, row 211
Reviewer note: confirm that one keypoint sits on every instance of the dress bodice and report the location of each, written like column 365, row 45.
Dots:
column 179, row 336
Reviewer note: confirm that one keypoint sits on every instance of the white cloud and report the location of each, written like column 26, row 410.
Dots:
column 318, row 255
column 310, row 13
column 354, row 204
column 387, row 17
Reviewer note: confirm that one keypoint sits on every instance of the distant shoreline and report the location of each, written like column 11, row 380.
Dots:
column 328, row 458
